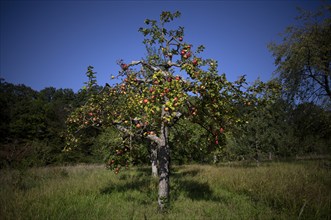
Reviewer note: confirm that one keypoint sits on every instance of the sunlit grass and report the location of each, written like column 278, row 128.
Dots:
column 269, row 191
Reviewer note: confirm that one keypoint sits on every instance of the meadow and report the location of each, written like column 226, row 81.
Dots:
column 276, row 190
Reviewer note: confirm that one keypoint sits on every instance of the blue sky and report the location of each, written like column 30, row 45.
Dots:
column 51, row 43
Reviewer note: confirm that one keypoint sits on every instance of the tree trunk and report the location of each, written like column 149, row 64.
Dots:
column 257, row 147
column 270, row 155
column 164, row 164
column 154, row 159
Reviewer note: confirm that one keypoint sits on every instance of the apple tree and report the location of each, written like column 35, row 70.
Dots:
column 152, row 94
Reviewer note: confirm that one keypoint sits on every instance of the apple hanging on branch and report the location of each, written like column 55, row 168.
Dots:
column 124, row 66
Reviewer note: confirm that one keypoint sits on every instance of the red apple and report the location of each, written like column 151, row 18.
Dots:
column 166, row 109
column 183, row 52
column 166, row 90
column 145, row 101
column 124, row 66
column 178, row 78
column 195, row 62
column 180, row 38
column 221, row 130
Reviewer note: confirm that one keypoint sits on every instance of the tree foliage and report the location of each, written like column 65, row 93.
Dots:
column 33, row 124
column 279, row 130
column 303, row 57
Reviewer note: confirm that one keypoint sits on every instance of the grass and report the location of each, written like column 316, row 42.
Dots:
column 269, row 191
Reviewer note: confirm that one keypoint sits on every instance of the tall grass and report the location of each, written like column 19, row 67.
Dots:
column 269, row 191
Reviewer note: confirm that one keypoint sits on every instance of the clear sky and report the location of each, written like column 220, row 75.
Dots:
column 51, row 43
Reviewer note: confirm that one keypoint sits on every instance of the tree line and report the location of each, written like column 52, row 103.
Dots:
column 33, row 132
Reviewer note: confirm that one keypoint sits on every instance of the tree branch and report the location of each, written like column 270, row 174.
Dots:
column 131, row 134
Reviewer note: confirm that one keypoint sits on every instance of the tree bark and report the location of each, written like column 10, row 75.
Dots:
column 164, row 164
column 154, row 159
column 270, row 155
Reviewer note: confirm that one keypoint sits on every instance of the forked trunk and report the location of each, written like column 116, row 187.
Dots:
column 164, row 165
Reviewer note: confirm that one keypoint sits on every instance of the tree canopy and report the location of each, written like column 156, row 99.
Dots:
column 303, row 58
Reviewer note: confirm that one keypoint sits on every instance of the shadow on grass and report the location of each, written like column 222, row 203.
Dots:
column 182, row 184
column 186, row 173
column 136, row 184
column 193, row 190
column 139, row 188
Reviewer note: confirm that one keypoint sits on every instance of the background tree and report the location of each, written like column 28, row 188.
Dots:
column 193, row 143
column 312, row 127
column 33, row 124
column 304, row 56
column 267, row 132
